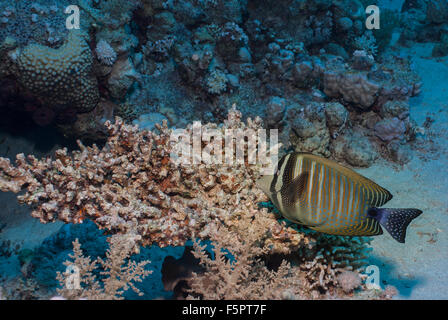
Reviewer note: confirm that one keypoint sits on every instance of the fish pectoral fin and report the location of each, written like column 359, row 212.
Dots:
column 296, row 189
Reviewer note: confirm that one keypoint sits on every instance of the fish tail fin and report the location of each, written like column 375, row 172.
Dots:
column 395, row 220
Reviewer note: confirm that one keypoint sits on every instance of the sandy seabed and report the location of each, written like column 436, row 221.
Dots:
column 419, row 267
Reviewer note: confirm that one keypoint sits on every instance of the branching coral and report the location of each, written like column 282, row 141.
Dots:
column 132, row 186
column 216, row 82
column 366, row 42
column 243, row 267
column 119, row 273
column 159, row 49
column 328, row 255
column 238, row 272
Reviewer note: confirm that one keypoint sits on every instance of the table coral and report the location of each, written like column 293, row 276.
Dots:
column 131, row 185
column 60, row 77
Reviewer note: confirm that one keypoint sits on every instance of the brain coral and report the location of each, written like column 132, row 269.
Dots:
column 60, row 77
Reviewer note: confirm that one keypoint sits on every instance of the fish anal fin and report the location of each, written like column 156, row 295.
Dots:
column 369, row 227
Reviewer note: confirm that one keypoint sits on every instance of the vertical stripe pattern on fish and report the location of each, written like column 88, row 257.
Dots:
column 331, row 198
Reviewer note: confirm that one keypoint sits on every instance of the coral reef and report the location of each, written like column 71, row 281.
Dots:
column 132, row 189
column 349, row 280
column 33, row 20
column 310, row 68
column 355, row 149
column 211, row 54
column 309, row 131
column 131, row 185
column 424, row 21
column 237, row 272
column 61, row 77
column 119, row 274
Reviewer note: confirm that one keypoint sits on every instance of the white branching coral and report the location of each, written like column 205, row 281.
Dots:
column 105, row 53
column 238, row 273
column 216, row 82
column 119, row 273
column 366, row 42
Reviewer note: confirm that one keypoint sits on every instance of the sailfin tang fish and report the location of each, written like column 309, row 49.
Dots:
column 333, row 199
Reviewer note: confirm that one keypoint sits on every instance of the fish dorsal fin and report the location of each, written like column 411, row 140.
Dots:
column 295, row 190
column 375, row 192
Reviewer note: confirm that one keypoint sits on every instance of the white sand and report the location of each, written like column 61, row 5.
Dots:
column 419, row 267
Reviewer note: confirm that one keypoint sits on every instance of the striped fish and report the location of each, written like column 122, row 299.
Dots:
column 330, row 198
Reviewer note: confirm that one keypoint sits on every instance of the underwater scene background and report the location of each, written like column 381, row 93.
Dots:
column 92, row 92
